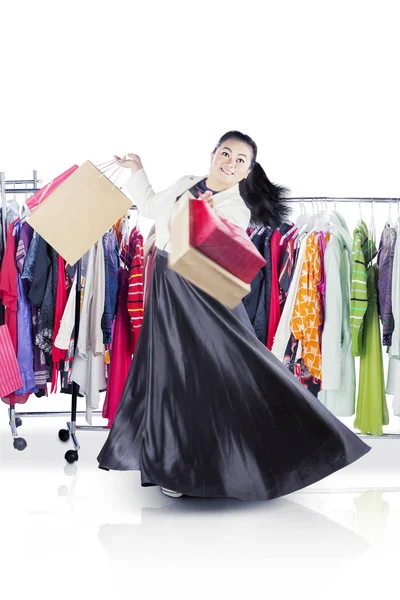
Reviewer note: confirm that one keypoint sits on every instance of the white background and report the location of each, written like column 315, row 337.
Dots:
column 316, row 84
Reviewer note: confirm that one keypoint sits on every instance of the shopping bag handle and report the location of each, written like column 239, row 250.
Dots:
column 110, row 168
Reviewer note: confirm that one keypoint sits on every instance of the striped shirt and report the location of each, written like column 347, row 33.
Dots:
column 10, row 376
column 363, row 252
column 133, row 257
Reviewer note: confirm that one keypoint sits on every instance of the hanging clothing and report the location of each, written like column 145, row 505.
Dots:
column 24, row 242
column 40, row 366
column 24, row 316
column 88, row 369
column 257, row 301
column 135, row 288
column 40, row 271
column 30, row 259
column 308, row 311
column 393, row 376
column 295, row 363
column 209, row 431
column 132, row 257
column 9, row 296
column 58, row 355
column 63, row 337
column 371, row 412
column 361, row 257
column 44, row 336
column 385, row 263
column 121, row 356
column 338, row 368
column 283, row 332
column 10, row 377
column 274, row 309
column 36, row 271
column 111, row 257
column 8, row 286
column 149, row 251
column 286, row 271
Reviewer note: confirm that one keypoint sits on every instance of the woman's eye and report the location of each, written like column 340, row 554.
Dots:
column 225, row 153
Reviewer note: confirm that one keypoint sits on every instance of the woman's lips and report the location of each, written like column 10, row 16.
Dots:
column 225, row 172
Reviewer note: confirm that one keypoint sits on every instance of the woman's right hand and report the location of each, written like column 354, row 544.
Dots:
column 130, row 161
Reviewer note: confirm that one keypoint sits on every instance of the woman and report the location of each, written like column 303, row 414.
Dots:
column 207, row 410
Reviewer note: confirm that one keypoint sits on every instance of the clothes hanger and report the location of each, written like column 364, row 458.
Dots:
column 372, row 228
column 308, row 225
column 255, row 232
column 130, row 210
column 322, row 220
column 359, row 214
column 300, row 221
column 389, row 219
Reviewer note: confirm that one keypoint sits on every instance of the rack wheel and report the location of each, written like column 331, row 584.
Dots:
column 63, row 434
column 71, row 456
column 18, row 422
column 20, row 444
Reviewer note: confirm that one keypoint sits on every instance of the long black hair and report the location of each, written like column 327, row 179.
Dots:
column 266, row 200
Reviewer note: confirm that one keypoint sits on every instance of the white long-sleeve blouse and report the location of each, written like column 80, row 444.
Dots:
column 158, row 205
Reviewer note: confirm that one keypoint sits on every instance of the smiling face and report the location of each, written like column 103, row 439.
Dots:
column 230, row 163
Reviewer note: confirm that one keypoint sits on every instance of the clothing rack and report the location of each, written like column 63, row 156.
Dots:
column 64, row 435
column 354, row 199
column 31, row 186
column 15, row 418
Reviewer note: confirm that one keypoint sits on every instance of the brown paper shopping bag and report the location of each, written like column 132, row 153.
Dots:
column 79, row 211
column 195, row 266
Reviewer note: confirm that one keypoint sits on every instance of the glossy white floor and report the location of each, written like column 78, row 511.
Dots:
column 74, row 530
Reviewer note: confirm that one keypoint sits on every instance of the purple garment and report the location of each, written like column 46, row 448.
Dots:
column 25, row 345
column 24, row 318
column 25, row 239
column 385, row 264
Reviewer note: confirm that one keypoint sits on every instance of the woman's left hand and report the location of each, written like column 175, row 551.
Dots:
column 208, row 198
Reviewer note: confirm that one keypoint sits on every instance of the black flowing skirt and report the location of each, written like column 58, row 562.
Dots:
column 208, row 410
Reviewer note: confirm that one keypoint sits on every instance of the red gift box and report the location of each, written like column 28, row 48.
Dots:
column 224, row 242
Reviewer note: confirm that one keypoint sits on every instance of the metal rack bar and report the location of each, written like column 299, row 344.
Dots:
column 21, row 191
column 23, row 181
column 355, row 490
column 58, row 413
column 341, row 199
column 379, row 437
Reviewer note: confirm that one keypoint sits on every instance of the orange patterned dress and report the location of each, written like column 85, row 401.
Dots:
column 307, row 317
